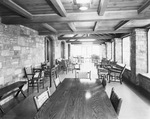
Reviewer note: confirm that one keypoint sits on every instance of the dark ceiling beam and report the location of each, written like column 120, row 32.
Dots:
column 80, row 42
column 59, row 8
column 14, row 7
column 48, row 27
column 71, row 26
column 75, row 35
column 95, row 26
column 86, row 32
column 147, row 26
column 144, row 7
column 77, row 17
column 120, row 24
column 21, row 11
column 66, row 38
column 102, row 7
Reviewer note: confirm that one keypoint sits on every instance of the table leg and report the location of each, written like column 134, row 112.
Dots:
column 20, row 90
column 1, row 108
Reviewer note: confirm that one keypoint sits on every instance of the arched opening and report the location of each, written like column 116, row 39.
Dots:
column 62, row 50
column 48, row 51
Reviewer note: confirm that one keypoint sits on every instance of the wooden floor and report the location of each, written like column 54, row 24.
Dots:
column 134, row 106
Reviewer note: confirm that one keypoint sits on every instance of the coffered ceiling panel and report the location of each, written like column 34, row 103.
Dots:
column 102, row 19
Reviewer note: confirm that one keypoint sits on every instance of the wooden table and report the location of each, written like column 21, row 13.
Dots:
column 78, row 99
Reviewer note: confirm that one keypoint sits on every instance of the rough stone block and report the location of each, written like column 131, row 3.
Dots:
column 1, row 81
column 5, row 53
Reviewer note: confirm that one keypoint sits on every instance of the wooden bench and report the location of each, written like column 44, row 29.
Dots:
column 11, row 89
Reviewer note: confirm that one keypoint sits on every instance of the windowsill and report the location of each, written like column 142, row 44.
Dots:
column 122, row 65
column 147, row 75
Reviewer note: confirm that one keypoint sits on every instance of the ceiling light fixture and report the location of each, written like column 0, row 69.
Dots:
column 83, row 7
column 83, row 4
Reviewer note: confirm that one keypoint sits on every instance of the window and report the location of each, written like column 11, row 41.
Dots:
column 148, row 51
column 126, row 51
column 85, row 50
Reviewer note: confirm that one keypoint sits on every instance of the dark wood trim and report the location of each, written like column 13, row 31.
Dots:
column 14, row 7
column 85, row 32
column 71, row 26
column 120, row 24
column 144, row 7
column 103, row 37
column 95, row 26
column 77, row 17
column 59, row 8
column 102, row 7
column 48, row 27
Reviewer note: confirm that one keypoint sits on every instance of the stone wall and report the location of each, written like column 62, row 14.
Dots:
column 19, row 47
column 139, row 53
column 144, row 81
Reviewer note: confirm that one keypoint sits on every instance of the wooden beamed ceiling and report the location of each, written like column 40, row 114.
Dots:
column 103, row 21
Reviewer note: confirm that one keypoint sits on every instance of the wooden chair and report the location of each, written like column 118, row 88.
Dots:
column 65, row 65
column 115, row 74
column 41, row 99
column 116, row 101
column 48, row 91
column 34, row 77
column 55, row 77
column 102, row 73
column 104, row 82
column 46, row 69
column 57, row 82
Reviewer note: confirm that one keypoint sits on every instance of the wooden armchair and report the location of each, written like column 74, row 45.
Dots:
column 55, row 77
column 116, row 101
column 34, row 77
column 115, row 74
column 65, row 65
column 46, row 69
column 104, row 82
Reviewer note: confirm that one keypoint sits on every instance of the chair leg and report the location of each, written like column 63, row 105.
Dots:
column 43, row 84
column 109, row 79
column 120, row 80
column 28, row 88
column 38, row 87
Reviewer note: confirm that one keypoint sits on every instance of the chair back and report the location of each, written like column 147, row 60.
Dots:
column 49, row 92
column 57, row 82
column 116, row 101
column 55, row 77
column 28, row 70
column 37, row 74
column 53, row 73
column 41, row 99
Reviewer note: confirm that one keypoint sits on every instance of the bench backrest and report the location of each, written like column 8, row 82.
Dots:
column 41, row 99
column 116, row 101
column 57, row 82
